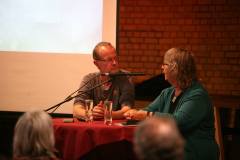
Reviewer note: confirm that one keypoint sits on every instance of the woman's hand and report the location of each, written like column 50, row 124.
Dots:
column 128, row 114
column 135, row 114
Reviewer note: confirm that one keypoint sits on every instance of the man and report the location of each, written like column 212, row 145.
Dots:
column 158, row 138
column 118, row 89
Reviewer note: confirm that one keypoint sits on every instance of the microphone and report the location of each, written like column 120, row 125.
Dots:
column 123, row 74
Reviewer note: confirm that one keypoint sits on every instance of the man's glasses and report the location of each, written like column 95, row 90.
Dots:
column 109, row 60
column 165, row 64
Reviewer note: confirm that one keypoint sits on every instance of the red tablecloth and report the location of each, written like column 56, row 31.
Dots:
column 75, row 139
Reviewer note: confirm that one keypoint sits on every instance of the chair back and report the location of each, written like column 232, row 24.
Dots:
column 218, row 132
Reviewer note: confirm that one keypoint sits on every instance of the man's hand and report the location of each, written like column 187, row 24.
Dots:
column 98, row 111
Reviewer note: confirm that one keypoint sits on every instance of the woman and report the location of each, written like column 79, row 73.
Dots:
column 33, row 137
column 188, row 103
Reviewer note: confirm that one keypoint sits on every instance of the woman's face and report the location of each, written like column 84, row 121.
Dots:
column 165, row 70
column 168, row 71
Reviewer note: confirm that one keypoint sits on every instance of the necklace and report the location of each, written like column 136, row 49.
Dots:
column 176, row 95
column 174, row 99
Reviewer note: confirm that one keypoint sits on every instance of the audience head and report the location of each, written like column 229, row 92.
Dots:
column 105, row 57
column 158, row 138
column 33, row 136
column 179, row 65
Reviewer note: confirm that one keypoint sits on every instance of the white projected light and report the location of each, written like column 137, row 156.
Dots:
column 46, row 46
column 61, row 26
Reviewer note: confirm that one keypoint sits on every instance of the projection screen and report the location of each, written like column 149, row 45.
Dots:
column 45, row 49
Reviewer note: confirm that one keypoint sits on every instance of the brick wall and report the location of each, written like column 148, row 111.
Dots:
column 209, row 28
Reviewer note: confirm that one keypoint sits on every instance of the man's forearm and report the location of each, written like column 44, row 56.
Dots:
column 78, row 110
column 119, row 114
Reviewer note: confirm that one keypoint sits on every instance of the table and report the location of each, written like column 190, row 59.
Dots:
column 75, row 139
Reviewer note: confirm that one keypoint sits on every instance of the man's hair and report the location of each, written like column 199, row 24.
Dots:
column 98, row 47
column 33, row 136
column 158, row 138
column 183, row 66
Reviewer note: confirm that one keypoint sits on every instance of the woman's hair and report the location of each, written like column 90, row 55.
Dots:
column 33, row 136
column 182, row 65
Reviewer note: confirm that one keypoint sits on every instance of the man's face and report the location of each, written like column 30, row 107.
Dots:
column 108, row 61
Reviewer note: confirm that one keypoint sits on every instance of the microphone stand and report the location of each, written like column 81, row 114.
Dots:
column 69, row 98
column 81, row 86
